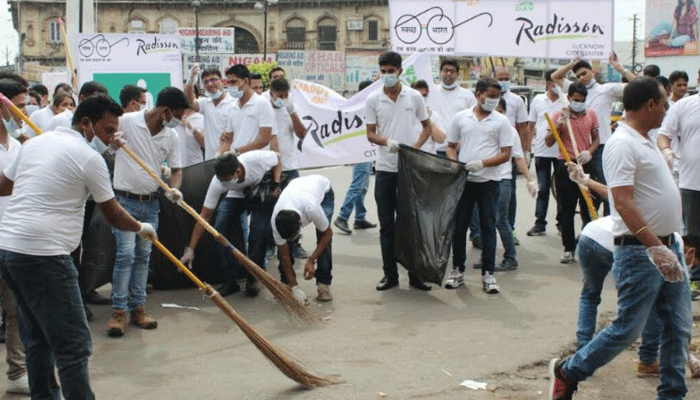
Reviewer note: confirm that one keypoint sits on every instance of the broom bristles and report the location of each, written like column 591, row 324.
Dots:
column 286, row 364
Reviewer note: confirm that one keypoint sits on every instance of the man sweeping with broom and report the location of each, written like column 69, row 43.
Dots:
column 49, row 181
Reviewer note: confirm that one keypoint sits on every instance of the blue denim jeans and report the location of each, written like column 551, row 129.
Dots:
column 596, row 171
column 544, row 167
column 595, row 261
column 640, row 288
column 355, row 197
column 52, row 323
column 260, row 237
column 503, row 225
column 485, row 196
column 513, row 205
column 133, row 256
column 229, row 223
column 474, row 228
column 324, row 264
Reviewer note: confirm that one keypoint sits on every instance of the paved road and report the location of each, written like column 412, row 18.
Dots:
column 403, row 343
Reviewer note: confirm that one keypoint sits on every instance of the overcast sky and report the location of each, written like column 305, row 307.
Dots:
column 624, row 10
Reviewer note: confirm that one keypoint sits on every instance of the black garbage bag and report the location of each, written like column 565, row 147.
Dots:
column 429, row 188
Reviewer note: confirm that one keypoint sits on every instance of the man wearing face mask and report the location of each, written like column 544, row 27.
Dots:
column 485, row 139
column 450, row 97
column 133, row 98
column 215, row 107
column 584, row 123
column 151, row 136
column 545, row 156
column 288, row 124
column 11, row 122
column 50, row 180
column 388, row 113
column 233, row 175
column 600, row 99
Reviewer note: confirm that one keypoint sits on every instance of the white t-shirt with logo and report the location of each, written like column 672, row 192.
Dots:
column 215, row 120
column 395, row 120
column 245, row 122
column 303, row 195
column 53, row 176
column 152, row 150
column 284, row 130
column 540, row 105
column 255, row 163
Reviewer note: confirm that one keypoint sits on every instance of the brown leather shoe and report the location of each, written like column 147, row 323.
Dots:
column 650, row 370
column 116, row 324
column 140, row 318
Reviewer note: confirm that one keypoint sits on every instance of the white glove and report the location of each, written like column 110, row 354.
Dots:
column 291, row 107
column 392, row 145
column 667, row 263
column 16, row 133
column 174, row 195
column 194, row 71
column 576, row 173
column 669, row 156
column 117, row 141
column 146, row 231
column 532, row 188
column 166, row 172
column 188, row 257
column 473, row 166
column 584, row 157
column 300, row 295
column 564, row 115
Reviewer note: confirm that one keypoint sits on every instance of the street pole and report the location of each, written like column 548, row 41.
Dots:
column 634, row 43
column 196, row 29
column 265, row 31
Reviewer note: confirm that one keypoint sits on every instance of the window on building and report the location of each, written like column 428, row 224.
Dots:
column 168, row 25
column 54, row 31
column 372, row 30
column 327, row 34
column 296, row 34
column 137, row 25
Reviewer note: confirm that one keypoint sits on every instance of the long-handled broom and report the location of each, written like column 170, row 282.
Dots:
column 282, row 361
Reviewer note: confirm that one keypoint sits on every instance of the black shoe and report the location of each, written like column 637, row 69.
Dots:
column 507, row 265
column 364, row 225
column 149, row 288
column 387, row 283
column 537, row 231
column 477, row 266
column 251, row 288
column 92, row 297
column 299, row 252
column 476, row 242
column 228, row 288
column 88, row 313
column 418, row 284
column 342, row 224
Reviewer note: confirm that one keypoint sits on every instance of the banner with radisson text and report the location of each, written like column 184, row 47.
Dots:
column 537, row 28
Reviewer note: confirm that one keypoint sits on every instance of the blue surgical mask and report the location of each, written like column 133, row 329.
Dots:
column 490, row 104
column 174, row 122
column 11, row 126
column 96, row 143
column 591, row 83
column 451, row 86
column 505, row 85
column 578, row 106
column 31, row 108
column 389, row 80
column 279, row 103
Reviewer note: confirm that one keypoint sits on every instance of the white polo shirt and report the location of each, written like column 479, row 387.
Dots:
column 255, row 163
column 449, row 103
column 601, row 99
column 540, row 105
column 7, row 154
column 42, row 119
column 284, row 130
column 481, row 139
column 190, row 151
column 629, row 159
column 682, row 125
column 53, row 176
column 600, row 231
column 64, row 119
column 303, row 195
column 515, row 152
column 516, row 112
column 215, row 120
column 153, row 150
column 395, row 120
column 245, row 122
column 430, row 146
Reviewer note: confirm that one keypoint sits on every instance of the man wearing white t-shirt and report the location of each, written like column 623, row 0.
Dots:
column 388, row 113
column 450, row 97
column 215, row 107
column 50, row 181
column 288, row 125
column 545, row 157
column 437, row 136
column 233, row 175
column 65, row 118
column 151, row 137
column 305, row 200
column 485, row 138
column 190, row 133
column 648, row 266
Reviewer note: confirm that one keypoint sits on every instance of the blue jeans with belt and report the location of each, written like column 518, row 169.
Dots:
column 133, row 256
column 52, row 323
column 355, row 197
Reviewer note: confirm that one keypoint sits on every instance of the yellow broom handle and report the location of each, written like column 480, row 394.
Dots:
column 178, row 264
column 19, row 113
column 74, row 78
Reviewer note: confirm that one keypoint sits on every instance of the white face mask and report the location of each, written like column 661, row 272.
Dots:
column 31, row 108
column 505, row 85
column 215, row 95
column 279, row 103
column 235, row 92
column 172, row 123
column 451, row 86
column 591, row 83
column 229, row 185
column 490, row 104
column 578, row 106
column 555, row 90
column 11, row 126
column 96, row 143
column 389, row 80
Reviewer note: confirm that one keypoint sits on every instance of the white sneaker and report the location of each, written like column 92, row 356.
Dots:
column 455, row 280
column 490, row 284
column 567, row 258
column 19, row 386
